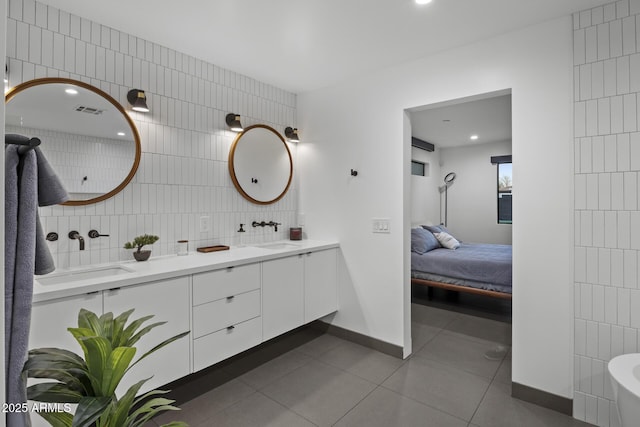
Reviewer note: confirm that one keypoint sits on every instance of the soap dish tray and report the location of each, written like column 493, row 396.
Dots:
column 216, row 248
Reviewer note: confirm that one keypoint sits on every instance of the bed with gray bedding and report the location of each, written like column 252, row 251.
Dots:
column 471, row 267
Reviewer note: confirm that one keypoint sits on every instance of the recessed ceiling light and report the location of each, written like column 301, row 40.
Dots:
column 423, row 1
column 120, row 133
column 71, row 91
column 473, row 137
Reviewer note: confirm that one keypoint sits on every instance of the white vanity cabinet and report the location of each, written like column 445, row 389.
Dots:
column 297, row 290
column 282, row 295
column 168, row 301
column 226, row 313
column 320, row 284
column 50, row 320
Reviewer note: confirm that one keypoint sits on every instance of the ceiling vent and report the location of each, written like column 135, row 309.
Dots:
column 89, row 110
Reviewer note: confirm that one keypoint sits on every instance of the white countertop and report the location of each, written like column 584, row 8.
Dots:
column 166, row 267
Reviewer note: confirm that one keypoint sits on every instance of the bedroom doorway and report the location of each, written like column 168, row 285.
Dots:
column 462, row 178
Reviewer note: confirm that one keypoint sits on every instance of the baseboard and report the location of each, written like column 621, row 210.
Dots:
column 358, row 338
column 557, row 403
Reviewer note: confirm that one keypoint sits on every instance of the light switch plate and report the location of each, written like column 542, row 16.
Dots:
column 380, row 225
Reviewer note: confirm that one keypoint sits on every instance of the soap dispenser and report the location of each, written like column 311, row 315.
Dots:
column 240, row 239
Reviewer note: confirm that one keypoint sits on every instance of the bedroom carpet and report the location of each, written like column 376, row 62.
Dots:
column 308, row 378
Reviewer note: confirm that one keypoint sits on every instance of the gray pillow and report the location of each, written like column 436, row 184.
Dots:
column 423, row 241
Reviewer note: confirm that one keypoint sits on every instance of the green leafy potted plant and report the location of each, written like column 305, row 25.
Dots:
column 139, row 242
column 108, row 346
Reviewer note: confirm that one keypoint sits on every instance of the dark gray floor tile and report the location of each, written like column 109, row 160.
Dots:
column 320, row 345
column 362, row 361
column 431, row 316
column 256, row 410
column 319, row 392
column 384, row 408
column 206, row 405
column 499, row 409
column 483, row 329
column 460, row 352
column 449, row 389
column 274, row 369
column 504, row 371
column 422, row 334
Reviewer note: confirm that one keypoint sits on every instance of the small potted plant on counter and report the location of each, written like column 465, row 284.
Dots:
column 139, row 242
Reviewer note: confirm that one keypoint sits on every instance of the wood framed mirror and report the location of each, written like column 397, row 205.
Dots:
column 260, row 164
column 87, row 136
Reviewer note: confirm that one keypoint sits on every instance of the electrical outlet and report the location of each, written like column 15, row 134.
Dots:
column 205, row 225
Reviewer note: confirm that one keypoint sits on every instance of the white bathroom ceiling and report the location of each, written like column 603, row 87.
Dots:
column 301, row 45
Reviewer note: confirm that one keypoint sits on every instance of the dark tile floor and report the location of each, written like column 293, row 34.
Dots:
column 308, row 378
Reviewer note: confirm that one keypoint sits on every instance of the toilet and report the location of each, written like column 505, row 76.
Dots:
column 624, row 371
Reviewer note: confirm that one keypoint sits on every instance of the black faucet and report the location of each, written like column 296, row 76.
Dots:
column 267, row 224
column 76, row 236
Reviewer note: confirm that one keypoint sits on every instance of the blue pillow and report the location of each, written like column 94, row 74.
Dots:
column 423, row 241
column 438, row 229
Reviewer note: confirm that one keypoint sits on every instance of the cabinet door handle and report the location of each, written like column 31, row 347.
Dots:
column 308, row 253
column 229, row 299
column 93, row 293
column 230, row 268
column 114, row 289
column 230, row 328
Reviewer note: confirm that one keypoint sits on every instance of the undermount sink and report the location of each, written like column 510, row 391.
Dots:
column 279, row 245
column 86, row 274
column 624, row 371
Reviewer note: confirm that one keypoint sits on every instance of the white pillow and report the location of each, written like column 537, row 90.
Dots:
column 447, row 240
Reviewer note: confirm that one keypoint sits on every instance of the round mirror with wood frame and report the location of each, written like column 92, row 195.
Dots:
column 87, row 136
column 260, row 164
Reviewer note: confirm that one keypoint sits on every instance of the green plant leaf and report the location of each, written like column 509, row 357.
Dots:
column 89, row 320
column 53, row 393
column 97, row 353
column 142, row 332
column 116, row 366
column 162, row 344
column 176, row 424
column 118, row 329
column 125, row 404
column 131, row 330
column 57, row 419
column 57, row 354
column 72, row 378
column 106, row 322
column 149, row 409
column 89, row 410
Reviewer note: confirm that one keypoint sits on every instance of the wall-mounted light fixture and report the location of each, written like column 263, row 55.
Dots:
column 138, row 100
column 233, row 121
column 291, row 134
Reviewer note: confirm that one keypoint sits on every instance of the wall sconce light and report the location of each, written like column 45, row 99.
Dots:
column 233, row 121
column 138, row 100
column 291, row 134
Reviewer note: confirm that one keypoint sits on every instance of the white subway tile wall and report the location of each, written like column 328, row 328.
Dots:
column 607, row 202
column 183, row 172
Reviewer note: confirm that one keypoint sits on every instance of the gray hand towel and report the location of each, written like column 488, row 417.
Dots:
column 50, row 192
column 21, row 206
column 50, row 188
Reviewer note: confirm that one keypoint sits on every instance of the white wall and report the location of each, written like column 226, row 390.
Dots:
column 607, row 212
column 472, row 207
column 360, row 124
column 425, row 198
column 183, row 171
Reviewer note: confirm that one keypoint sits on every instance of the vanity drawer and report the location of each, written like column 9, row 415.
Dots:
column 215, row 285
column 225, row 343
column 216, row 315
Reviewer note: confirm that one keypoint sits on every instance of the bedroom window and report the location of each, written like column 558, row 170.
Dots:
column 419, row 168
column 505, row 183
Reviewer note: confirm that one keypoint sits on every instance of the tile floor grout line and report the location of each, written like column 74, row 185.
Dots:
column 287, row 408
column 357, row 403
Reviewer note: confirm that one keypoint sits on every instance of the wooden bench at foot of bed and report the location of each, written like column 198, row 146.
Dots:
column 458, row 288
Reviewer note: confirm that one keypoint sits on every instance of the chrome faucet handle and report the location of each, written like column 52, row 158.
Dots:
column 95, row 233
